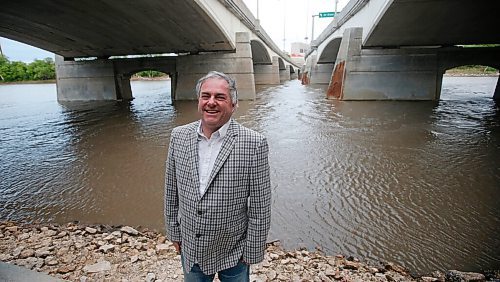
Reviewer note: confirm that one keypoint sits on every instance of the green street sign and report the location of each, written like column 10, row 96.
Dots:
column 327, row 14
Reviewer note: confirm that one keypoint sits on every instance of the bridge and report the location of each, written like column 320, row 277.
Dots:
column 400, row 49
column 93, row 42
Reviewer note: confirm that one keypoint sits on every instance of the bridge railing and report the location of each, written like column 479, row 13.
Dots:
column 347, row 13
column 241, row 11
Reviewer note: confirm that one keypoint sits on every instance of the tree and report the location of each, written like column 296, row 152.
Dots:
column 20, row 71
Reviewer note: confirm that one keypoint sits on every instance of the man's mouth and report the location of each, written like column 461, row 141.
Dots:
column 211, row 111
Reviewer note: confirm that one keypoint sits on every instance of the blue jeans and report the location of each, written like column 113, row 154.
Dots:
column 238, row 273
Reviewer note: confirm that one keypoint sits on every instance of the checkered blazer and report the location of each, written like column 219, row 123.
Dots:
column 231, row 220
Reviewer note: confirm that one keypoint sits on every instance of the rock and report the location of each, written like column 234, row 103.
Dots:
column 129, row 230
column 98, row 267
column 51, row 261
column 66, row 268
column 271, row 274
column 17, row 251
column 428, row 279
column 12, row 229
column 27, row 253
column 134, row 259
column 106, row 248
column 24, row 236
column 61, row 234
column 439, row 275
column 50, row 233
column 351, row 265
column 459, row 276
column 162, row 249
column 43, row 252
column 274, row 256
column 396, row 268
column 91, row 230
column 150, row 277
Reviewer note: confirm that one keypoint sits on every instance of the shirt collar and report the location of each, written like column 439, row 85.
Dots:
column 222, row 132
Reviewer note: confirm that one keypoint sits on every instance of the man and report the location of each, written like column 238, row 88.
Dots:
column 217, row 188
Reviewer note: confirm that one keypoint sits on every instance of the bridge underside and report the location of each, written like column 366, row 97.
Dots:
column 111, row 28
column 394, row 73
column 104, row 79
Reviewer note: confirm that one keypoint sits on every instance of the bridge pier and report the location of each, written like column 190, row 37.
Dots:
column 87, row 80
column 104, row 79
column 267, row 74
column 496, row 95
column 321, row 74
column 238, row 65
column 383, row 74
column 293, row 72
column 284, row 75
column 399, row 73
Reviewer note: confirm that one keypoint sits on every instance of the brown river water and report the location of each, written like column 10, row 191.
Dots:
column 417, row 183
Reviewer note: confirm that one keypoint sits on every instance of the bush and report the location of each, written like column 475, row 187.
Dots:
column 20, row 71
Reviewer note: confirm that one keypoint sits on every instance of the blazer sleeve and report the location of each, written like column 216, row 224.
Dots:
column 259, row 210
column 171, row 196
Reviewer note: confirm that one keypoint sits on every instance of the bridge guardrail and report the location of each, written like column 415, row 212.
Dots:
column 241, row 11
column 347, row 12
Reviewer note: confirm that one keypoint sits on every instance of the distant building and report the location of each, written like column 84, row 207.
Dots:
column 298, row 52
column 299, row 49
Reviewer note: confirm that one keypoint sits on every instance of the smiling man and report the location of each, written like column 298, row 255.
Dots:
column 217, row 188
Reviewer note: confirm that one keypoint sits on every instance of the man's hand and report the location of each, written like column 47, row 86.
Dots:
column 243, row 261
column 177, row 246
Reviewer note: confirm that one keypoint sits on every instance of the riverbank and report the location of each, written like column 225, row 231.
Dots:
column 77, row 252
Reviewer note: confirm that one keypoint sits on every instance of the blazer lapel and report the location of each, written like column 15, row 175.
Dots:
column 225, row 150
column 193, row 156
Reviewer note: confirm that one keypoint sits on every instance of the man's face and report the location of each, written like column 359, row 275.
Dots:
column 214, row 104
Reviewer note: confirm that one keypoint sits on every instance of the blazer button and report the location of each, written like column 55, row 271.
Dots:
column 198, row 235
column 200, row 212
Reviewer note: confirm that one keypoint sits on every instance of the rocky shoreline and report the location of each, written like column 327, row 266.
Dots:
column 78, row 252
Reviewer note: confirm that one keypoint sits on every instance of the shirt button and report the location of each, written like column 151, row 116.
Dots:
column 198, row 235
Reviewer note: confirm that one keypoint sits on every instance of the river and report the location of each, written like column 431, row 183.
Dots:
column 417, row 183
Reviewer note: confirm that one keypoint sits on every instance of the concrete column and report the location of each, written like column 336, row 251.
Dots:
column 321, row 73
column 238, row 65
column 85, row 80
column 305, row 75
column 267, row 74
column 293, row 73
column 383, row 74
column 496, row 96
column 124, row 89
column 285, row 74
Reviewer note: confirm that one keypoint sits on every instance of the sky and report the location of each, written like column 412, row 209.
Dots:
column 281, row 19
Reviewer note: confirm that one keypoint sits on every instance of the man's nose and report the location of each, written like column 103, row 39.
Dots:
column 211, row 100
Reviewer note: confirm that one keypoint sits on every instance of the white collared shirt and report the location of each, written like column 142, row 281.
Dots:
column 208, row 150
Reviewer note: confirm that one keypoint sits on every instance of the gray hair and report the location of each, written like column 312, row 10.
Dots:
column 220, row 75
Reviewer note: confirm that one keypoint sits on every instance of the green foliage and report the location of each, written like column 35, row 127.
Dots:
column 480, row 46
column 20, row 71
column 473, row 69
column 149, row 74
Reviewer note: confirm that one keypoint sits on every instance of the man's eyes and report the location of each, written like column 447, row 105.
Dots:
column 220, row 97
